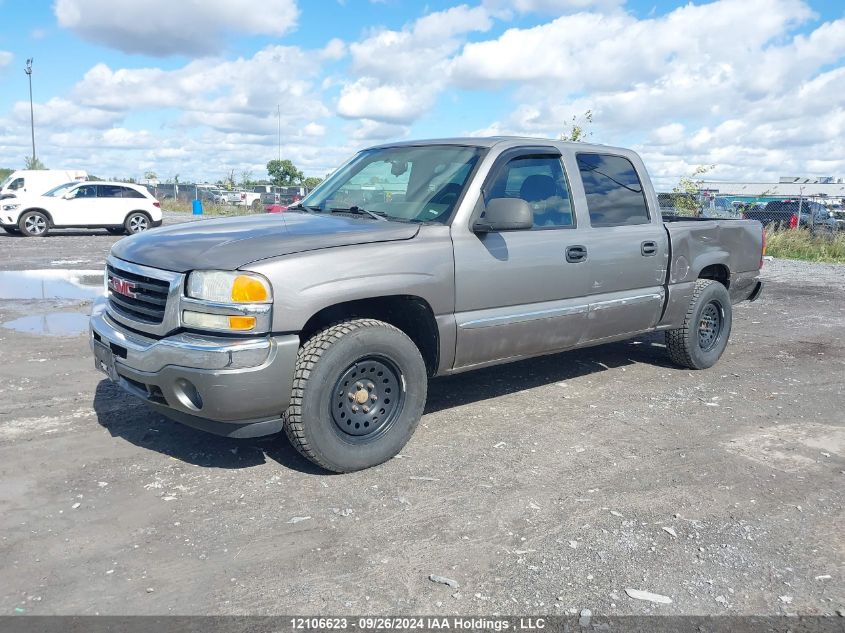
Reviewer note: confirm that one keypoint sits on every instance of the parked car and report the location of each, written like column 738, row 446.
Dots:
column 784, row 213
column 34, row 182
column 329, row 322
column 835, row 220
column 118, row 207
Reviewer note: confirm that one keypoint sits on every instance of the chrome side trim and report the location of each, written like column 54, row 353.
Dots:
column 626, row 301
column 524, row 316
column 172, row 312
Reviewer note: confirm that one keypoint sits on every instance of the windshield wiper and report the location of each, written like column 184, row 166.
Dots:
column 360, row 211
column 300, row 207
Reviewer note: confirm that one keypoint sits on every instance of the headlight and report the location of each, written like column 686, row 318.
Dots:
column 229, row 287
column 226, row 301
column 10, row 207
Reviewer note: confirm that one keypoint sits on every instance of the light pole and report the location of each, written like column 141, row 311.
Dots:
column 28, row 71
column 279, row 114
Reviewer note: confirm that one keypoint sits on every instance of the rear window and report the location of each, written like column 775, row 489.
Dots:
column 131, row 193
column 614, row 192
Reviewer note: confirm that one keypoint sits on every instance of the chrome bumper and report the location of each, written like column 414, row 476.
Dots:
column 227, row 386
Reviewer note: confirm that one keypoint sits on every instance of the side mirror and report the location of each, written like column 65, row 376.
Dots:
column 505, row 214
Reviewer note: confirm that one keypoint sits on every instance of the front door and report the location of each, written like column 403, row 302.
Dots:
column 517, row 293
column 79, row 208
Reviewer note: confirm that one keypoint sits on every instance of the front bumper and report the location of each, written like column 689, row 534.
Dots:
column 226, row 386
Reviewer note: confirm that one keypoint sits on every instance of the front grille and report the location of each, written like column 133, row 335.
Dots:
column 137, row 297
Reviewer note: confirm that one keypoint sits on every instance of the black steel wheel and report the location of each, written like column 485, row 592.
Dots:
column 703, row 336
column 358, row 394
column 710, row 326
column 368, row 398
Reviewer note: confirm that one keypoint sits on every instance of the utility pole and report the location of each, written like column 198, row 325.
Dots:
column 279, row 114
column 28, row 71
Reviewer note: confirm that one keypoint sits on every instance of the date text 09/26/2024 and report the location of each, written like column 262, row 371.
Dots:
column 418, row 623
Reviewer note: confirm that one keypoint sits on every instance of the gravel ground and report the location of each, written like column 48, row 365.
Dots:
column 545, row 486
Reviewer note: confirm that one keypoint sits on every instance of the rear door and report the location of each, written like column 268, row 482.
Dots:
column 112, row 204
column 627, row 247
column 516, row 293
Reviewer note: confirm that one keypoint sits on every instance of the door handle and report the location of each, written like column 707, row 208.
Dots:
column 576, row 254
column 648, row 249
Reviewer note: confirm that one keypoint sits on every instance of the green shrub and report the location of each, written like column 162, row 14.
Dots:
column 802, row 244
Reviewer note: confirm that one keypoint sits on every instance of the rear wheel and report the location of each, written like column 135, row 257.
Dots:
column 358, row 394
column 702, row 338
column 136, row 222
column 34, row 224
column 256, row 205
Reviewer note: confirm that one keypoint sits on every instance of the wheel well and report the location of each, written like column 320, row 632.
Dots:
column 716, row 272
column 410, row 314
column 44, row 211
column 141, row 211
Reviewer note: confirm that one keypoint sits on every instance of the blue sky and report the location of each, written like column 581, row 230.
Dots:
column 751, row 86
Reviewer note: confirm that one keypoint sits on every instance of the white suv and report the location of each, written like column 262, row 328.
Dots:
column 118, row 207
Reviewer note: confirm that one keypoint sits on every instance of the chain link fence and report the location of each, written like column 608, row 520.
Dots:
column 818, row 214
column 223, row 201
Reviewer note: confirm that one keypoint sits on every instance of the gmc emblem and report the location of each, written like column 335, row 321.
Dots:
column 122, row 287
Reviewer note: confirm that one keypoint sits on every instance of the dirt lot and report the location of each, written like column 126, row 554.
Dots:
column 541, row 487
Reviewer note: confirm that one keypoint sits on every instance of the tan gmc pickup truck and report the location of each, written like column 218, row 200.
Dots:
column 412, row 260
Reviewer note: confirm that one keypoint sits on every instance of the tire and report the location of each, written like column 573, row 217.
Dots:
column 327, row 421
column 136, row 222
column 11, row 230
column 256, row 205
column 33, row 224
column 700, row 341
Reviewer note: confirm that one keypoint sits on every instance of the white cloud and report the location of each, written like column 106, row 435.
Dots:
column 168, row 27
column 5, row 58
column 366, row 99
column 369, row 130
column 400, row 73
column 62, row 114
column 551, row 7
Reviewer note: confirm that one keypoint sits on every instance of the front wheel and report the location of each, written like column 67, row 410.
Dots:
column 136, row 223
column 34, row 224
column 358, row 394
column 702, row 338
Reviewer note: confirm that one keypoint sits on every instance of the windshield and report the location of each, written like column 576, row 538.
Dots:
column 413, row 184
column 60, row 190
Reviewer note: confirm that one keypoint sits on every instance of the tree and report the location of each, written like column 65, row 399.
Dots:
column 5, row 172
column 579, row 132
column 686, row 194
column 229, row 180
column 150, row 175
column 284, row 173
column 33, row 162
column 246, row 178
column 312, row 181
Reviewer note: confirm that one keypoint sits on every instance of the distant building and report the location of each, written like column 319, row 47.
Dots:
column 788, row 187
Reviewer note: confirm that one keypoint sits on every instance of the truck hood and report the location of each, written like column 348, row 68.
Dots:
column 229, row 243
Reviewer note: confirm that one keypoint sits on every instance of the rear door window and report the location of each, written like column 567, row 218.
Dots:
column 109, row 191
column 614, row 192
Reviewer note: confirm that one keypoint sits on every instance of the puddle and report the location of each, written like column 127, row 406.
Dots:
column 51, row 284
column 56, row 324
